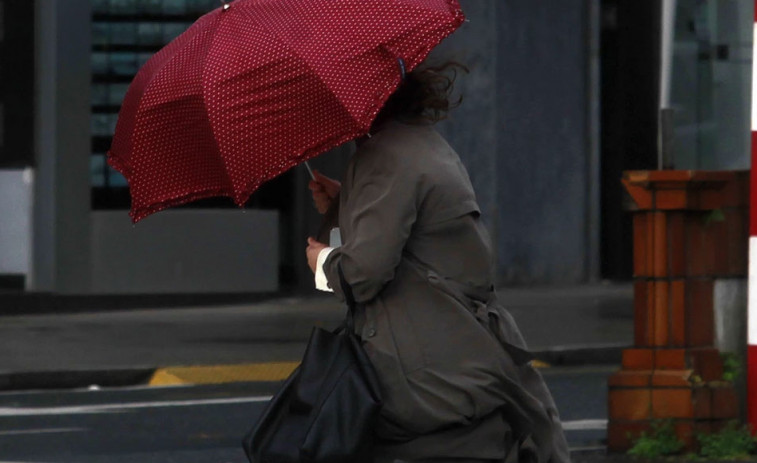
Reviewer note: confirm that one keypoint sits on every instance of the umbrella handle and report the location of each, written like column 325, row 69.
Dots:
column 310, row 170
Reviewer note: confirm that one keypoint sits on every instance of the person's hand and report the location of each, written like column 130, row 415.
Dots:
column 314, row 248
column 324, row 191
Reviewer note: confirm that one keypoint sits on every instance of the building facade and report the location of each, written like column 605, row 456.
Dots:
column 561, row 98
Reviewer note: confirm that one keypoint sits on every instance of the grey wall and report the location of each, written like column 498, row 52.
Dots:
column 15, row 221
column 472, row 128
column 525, row 132
column 543, row 157
column 185, row 251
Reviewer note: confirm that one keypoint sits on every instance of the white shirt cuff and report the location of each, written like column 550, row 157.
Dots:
column 321, row 282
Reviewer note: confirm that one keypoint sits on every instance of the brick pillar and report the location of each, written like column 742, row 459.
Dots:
column 689, row 229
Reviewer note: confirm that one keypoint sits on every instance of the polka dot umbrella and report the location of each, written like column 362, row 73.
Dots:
column 258, row 86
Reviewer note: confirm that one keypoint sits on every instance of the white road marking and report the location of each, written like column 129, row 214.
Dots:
column 21, row 432
column 117, row 408
column 584, row 425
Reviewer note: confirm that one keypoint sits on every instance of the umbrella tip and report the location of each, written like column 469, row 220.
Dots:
column 226, row 6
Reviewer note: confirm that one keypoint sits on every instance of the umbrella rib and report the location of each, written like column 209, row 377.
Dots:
column 294, row 52
column 205, row 107
column 188, row 197
column 305, row 153
column 179, row 42
column 185, row 39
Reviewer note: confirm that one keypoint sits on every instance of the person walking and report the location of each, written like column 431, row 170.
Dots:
column 456, row 378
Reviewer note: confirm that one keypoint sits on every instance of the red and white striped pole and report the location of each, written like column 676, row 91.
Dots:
column 752, row 305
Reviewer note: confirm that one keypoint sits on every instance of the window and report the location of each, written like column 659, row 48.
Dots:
column 710, row 91
column 16, row 87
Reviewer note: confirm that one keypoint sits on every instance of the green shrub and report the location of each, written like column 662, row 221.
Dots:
column 733, row 441
column 660, row 442
column 716, row 215
column 731, row 366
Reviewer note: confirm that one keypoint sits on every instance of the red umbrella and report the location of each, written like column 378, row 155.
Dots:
column 258, row 86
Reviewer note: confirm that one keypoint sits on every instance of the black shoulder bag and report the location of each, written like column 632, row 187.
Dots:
column 326, row 409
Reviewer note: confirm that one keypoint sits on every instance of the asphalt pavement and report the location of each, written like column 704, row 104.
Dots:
column 206, row 423
column 579, row 325
column 61, row 363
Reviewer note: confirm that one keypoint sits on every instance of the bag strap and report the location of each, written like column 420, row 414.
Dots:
column 348, row 297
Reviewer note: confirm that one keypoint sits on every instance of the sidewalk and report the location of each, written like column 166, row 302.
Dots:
column 564, row 326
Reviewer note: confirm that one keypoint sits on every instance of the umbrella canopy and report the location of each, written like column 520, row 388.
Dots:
column 258, row 86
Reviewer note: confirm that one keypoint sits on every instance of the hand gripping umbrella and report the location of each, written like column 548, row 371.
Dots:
column 258, row 86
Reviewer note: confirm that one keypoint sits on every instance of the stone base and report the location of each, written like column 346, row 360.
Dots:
column 638, row 397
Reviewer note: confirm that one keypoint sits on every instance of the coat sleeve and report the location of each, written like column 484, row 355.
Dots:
column 381, row 208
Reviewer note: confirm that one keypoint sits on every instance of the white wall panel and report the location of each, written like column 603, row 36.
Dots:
column 15, row 221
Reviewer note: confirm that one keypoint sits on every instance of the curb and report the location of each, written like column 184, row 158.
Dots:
column 251, row 372
column 610, row 354
column 39, row 303
column 74, row 379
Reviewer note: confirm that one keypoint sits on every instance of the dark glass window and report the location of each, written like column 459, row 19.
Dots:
column 16, row 83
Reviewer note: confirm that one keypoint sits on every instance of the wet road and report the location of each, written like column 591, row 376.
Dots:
column 206, row 423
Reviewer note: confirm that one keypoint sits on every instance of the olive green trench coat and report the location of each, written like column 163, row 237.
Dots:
column 456, row 379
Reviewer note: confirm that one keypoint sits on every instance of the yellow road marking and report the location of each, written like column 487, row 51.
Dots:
column 539, row 364
column 217, row 374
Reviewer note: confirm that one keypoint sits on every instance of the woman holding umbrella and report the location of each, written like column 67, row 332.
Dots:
column 456, row 379
column 253, row 89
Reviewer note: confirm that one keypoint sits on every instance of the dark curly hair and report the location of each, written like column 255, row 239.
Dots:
column 425, row 94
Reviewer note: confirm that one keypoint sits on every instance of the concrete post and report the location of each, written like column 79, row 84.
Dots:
column 690, row 230
column 61, row 218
